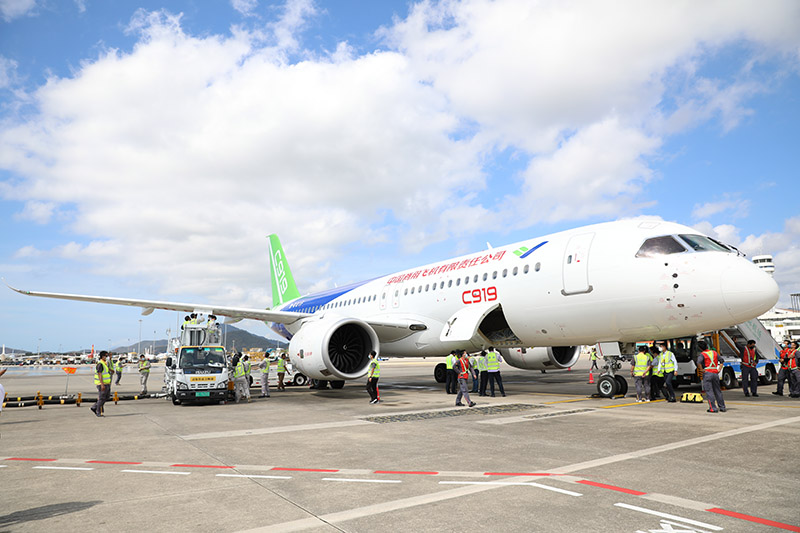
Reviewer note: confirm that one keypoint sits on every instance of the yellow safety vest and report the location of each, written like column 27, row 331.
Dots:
column 143, row 367
column 239, row 371
column 281, row 365
column 641, row 360
column 105, row 376
column 481, row 363
column 491, row 361
column 246, row 368
column 666, row 361
column 449, row 360
column 375, row 368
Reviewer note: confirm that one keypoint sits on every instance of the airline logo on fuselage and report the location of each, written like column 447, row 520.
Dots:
column 523, row 251
column 449, row 267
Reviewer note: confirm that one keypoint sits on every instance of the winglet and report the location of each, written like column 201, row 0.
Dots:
column 283, row 286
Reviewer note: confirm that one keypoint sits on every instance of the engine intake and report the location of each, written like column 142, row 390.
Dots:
column 333, row 348
column 542, row 358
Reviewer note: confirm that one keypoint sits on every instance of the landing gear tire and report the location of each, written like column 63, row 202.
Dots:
column 607, row 386
column 623, row 385
column 337, row 384
column 300, row 380
column 440, row 373
column 728, row 379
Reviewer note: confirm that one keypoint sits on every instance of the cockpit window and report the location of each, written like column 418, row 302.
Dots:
column 660, row 246
column 701, row 243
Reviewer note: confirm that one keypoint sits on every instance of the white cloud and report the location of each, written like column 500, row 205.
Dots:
column 738, row 208
column 175, row 159
column 245, row 7
column 11, row 9
column 39, row 212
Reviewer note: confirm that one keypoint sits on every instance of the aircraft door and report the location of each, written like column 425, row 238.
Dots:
column 576, row 265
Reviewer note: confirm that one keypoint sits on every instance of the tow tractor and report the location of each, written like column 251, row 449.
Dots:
column 727, row 342
column 198, row 369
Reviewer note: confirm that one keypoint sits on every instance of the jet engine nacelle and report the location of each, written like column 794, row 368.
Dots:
column 542, row 358
column 333, row 348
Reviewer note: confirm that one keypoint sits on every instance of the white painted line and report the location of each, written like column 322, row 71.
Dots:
column 693, row 529
column 669, row 516
column 511, row 483
column 351, row 480
column 62, row 468
column 280, row 429
column 3, row 466
column 256, row 476
column 155, row 472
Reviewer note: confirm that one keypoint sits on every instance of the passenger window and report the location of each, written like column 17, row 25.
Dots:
column 485, row 276
column 427, row 287
column 405, row 292
column 569, row 259
column 660, row 246
column 383, row 296
column 420, row 288
column 458, row 282
column 525, row 269
column 475, row 279
column 449, row 283
column 514, row 272
column 538, row 267
column 441, row 285
column 466, row 280
column 494, row 274
column 412, row 290
column 505, row 272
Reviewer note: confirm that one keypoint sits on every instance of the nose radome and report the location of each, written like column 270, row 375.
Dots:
column 748, row 292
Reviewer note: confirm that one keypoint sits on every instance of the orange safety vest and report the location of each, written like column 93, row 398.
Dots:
column 464, row 374
column 749, row 357
column 792, row 364
column 785, row 358
column 711, row 361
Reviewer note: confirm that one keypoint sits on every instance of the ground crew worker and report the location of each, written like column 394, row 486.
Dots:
column 118, row 364
column 667, row 364
column 102, row 380
column 484, row 374
column 783, row 373
column 246, row 364
column 186, row 321
column 593, row 357
column 239, row 380
column 710, row 362
column 493, row 360
column 450, row 380
column 144, row 373
column 281, row 371
column 373, row 375
column 212, row 331
column 640, row 372
column 656, row 376
column 462, row 372
column 749, row 372
column 264, row 366
column 473, row 367
column 794, row 372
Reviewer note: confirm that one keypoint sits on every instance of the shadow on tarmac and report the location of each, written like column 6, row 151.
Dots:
column 47, row 511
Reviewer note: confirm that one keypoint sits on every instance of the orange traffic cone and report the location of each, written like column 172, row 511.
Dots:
column 591, row 378
column 569, row 369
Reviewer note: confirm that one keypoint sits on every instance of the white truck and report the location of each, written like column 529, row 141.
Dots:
column 197, row 369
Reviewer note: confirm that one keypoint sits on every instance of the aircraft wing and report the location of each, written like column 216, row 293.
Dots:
column 148, row 306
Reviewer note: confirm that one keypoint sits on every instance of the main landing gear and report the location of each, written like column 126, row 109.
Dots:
column 610, row 383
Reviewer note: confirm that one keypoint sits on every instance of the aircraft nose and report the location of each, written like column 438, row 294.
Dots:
column 748, row 292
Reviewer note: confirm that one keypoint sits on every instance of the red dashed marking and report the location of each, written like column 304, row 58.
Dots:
column 518, row 474
column 114, row 462
column 27, row 459
column 422, row 473
column 612, row 487
column 755, row 519
column 201, row 466
column 303, row 469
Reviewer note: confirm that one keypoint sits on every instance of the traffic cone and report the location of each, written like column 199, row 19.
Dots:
column 591, row 378
column 569, row 369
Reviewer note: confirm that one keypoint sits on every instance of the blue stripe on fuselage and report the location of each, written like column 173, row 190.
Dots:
column 305, row 304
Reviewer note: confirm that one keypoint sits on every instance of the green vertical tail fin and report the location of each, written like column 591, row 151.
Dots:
column 283, row 286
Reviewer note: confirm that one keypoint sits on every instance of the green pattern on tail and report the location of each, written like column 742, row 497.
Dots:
column 283, row 286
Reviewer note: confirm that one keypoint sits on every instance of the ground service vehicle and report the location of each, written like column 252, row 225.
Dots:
column 198, row 370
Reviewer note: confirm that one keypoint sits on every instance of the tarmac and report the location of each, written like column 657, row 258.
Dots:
column 546, row 458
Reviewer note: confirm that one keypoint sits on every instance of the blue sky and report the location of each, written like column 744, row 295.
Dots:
column 148, row 148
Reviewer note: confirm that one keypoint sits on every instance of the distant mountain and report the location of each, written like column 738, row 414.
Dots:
column 235, row 338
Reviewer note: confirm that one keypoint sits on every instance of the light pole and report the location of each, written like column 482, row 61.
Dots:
column 139, row 346
column 153, row 348
column 37, row 348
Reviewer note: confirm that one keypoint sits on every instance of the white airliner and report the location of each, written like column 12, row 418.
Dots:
column 622, row 281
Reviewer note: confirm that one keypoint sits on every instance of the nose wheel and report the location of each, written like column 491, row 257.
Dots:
column 611, row 384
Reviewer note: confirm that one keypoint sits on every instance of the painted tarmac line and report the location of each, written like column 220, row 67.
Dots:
column 611, row 487
column 672, row 446
column 757, row 520
column 513, row 484
column 669, row 516
column 254, row 476
column 155, row 472
column 62, row 468
column 353, row 480
column 272, row 430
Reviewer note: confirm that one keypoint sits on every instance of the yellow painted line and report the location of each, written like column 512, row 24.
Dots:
column 761, row 404
column 627, row 404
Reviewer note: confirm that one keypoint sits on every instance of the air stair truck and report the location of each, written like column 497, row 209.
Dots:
column 197, row 368
column 728, row 342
